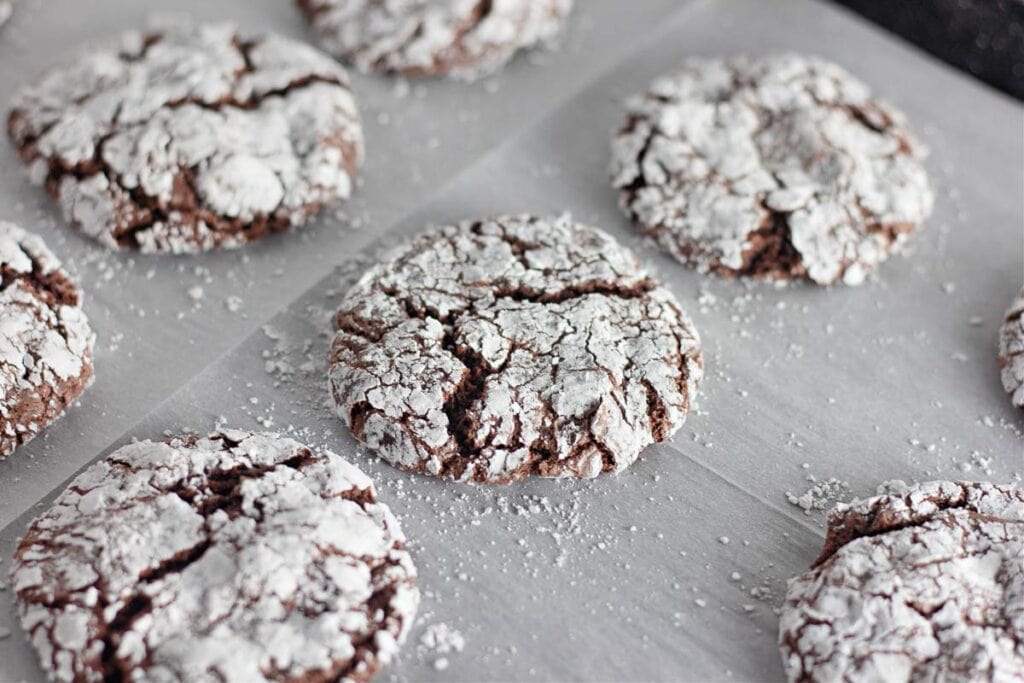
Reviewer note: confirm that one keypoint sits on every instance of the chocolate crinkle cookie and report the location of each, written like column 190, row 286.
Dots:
column 492, row 350
column 1011, row 351
column 921, row 583
column 45, row 339
column 237, row 557
column 190, row 138
column 461, row 38
column 782, row 168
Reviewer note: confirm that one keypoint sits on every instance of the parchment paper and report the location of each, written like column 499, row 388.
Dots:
column 671, row 571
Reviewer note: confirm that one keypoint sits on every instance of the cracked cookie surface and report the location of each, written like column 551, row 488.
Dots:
column 235, row 557
column 492, row 350
column 921, row 583
column 461, row 38
column 45, row 339
column 189, row 138
column 781, row 168
column 1011, row 351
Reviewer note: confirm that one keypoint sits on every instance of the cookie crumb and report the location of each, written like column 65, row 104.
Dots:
column 820, row 495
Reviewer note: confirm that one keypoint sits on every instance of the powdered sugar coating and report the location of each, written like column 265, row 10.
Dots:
column 1011, row 351
column 922, row 583
column 189, row 137
column 235, row 557
column 782, row 167
column 461, row 38
column 45, row 339
column 491, row 350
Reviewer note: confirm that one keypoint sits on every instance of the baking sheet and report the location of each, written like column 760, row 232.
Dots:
column 672, row 570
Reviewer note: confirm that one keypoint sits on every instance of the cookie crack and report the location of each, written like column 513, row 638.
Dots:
column 639, row 182
column 881, row 520
column 657, row 413
column 52, row 287
column 312, row 9
column 225, row 486
column 525, row 293
column 519, row 247
column 771, row 251
column 148, row 41
column 255, row 101
column 139, row 604
column 471, row 388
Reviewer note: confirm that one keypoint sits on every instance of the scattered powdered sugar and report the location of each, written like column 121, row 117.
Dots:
column 820, row 495
column 233, row 303
column 439, row 641
column 442, row 639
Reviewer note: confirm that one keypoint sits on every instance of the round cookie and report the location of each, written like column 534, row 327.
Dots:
column 235, row 557
column 45, row 339
column 921, row 583
column 190, row 138
column 781, row 168
column 491, row 350
column 1011, row 351
column 461, row 38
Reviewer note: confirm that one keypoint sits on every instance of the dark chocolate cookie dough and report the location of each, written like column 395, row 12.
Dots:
column 45, row 339
column 189, row 138
column 491, row 350
column 461, row 38
column 921, row 583
column 235, row 557
column 783, row 167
